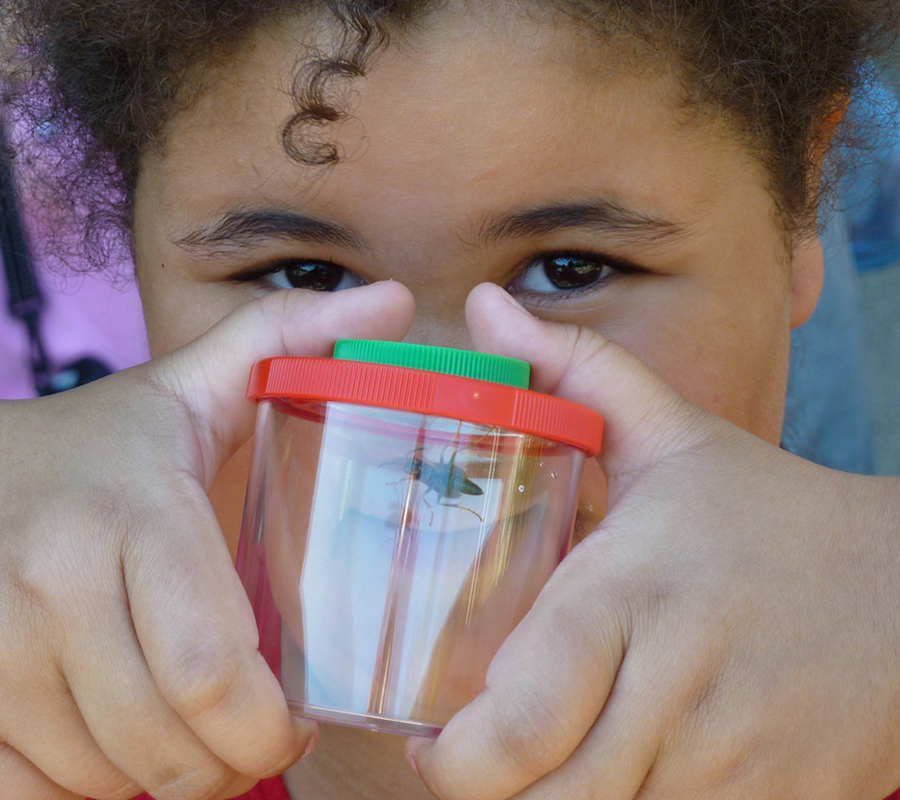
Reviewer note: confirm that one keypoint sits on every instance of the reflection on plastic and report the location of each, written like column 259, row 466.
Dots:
column 388, row 555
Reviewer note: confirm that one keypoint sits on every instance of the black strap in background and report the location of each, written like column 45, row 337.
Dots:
column 24, row 295
column 25, row 299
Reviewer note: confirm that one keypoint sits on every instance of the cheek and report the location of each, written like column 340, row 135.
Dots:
column 180, row 302
column 179, row 308
column 722, row 345
column 730, row 360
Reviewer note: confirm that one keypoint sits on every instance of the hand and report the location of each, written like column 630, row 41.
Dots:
column 128, row 650
column 730, row 630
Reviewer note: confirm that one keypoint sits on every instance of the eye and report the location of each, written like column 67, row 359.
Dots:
column 566, row 272
column 317, row 276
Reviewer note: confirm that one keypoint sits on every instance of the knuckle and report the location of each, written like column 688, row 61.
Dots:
column 56, row 562
column 206, row 678
column 31, row 590
column 588, row 344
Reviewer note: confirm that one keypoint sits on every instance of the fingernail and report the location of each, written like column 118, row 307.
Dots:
column 411, row 760
column 516, row 304
column 310, row 745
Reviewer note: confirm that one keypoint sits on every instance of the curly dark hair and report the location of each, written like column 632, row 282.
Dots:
column 112, row 73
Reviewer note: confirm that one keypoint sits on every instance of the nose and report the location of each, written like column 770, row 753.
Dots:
column 440, row 319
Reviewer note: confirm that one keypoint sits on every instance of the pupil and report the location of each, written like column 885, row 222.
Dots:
column 570, row 272
column 317, row 277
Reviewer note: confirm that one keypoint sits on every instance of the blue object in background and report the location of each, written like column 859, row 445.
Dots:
column 870, row 193
column 827, row 414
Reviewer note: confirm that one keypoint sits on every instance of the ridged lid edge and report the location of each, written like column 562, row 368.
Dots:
column 446, row 360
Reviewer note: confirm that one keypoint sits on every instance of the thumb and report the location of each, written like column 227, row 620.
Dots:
column 646, row 419
column 209, row 376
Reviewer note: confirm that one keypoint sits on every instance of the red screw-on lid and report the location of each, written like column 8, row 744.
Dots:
column 300, row 380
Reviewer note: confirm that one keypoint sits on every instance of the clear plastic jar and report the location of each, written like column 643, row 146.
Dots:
column 399, row 523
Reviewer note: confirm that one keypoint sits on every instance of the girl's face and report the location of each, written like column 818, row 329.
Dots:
column 486, row 148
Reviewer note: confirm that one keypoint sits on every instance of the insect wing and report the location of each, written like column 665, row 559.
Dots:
column 461, row 484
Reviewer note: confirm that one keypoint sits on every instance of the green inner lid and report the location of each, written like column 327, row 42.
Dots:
column 465, row 363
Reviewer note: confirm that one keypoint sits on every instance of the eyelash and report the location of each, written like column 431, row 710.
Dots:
column 265, row 273
column 607, row 267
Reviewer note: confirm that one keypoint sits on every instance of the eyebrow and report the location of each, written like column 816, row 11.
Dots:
column 246, row 228
column 599, row 215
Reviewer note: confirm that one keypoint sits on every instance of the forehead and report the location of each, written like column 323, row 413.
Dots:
column 482, row 87
column 468, row 117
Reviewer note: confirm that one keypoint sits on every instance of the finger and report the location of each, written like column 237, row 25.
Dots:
column 529, row 720
column 101, row 652
column 209, row 376
column 21, row 780
column 199, row 638
column 650, row 419
column 40, row 718
column 616, row 756
column 59, row 748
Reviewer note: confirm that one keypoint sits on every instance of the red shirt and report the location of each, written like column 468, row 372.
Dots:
column 274, row 789
column 269, row 789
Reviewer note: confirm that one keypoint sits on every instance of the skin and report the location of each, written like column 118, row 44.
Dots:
column 709, row 308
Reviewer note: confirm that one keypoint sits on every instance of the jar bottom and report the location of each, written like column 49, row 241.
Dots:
column 370, row 722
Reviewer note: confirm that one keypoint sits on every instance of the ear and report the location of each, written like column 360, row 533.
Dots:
column 807, row 275
column 808, row 263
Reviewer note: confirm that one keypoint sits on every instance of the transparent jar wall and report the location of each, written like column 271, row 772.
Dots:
column 388, row 554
